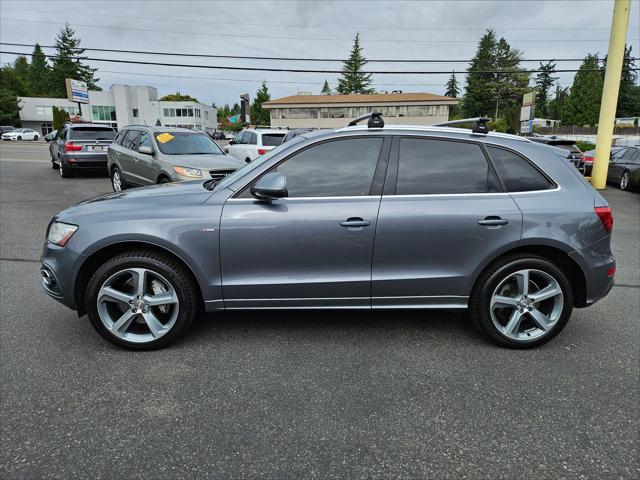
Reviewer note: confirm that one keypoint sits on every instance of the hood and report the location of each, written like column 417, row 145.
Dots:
column 144, row 203
column 204, row 162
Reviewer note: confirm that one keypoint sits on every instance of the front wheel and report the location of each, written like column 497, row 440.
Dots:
column 624, row 180
column 521, row 301
column 141, row 300
column 35, row 137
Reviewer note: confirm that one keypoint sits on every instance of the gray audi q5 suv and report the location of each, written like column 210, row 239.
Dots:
column 367, row 217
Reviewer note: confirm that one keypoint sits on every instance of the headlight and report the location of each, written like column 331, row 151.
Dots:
column 188, row 172
column 60, row 233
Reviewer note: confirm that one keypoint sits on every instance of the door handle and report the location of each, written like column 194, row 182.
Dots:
column 355, row 222
column 493, row 221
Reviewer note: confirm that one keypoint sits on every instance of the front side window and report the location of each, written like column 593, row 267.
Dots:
column 428, row 166
column 336, row 168
column 516, row 173
column 145, row 140
column 131, row 140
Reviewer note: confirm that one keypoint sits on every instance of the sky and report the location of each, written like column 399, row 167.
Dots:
column 445, row 30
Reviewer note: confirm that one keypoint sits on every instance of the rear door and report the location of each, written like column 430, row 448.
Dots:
column 442, row 214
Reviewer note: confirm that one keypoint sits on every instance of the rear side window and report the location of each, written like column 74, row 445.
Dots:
column 92, row 133
column 132, row 139
column 516, row 173
column 331, row 169
column 272, row 139
column 427, row 166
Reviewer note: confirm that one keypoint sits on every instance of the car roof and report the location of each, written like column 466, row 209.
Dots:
column 88, row 125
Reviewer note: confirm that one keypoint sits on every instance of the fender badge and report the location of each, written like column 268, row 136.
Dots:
column 208, row 229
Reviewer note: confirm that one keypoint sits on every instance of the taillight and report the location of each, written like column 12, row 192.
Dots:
column 611, row 272
column 262, row 151
column 606, row 217
column 71, row 147
column 587, row 159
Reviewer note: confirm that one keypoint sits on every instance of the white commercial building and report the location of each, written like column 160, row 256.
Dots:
column 120, row 106
column 332, row 111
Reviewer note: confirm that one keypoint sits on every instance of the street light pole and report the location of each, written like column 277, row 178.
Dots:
column 612, row 75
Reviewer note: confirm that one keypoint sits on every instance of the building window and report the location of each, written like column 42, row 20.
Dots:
column 43, row 111
column 165, row 112
column 336, row 112
column 190, row 111
column 103, row 113
column 46, row 128
column 296, row 113
column 70, row 110
column 197, row 113
column 206, row 115
column 135, row 113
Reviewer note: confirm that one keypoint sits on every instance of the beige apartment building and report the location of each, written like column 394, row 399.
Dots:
column 332, row 111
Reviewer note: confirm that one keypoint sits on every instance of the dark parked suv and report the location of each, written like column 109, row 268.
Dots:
column 362, row 217
column 80, row 146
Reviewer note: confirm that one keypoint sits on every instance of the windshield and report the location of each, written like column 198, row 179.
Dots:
column 186, row 143
column 92, row 133
column 249, row 167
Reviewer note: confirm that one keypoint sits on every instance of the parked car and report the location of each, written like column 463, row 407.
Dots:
column 624, row 168
column 513, row 235
column 250, row 144
column 80, row 146
column 574, row 154
column 589, row 156
column 19, row 134
column 294, row 132
column 217, row 135
column 143, row 155
column 6, row 128
column 50, row 136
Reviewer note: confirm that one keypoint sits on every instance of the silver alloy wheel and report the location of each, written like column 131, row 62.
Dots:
column 526, row 305
column 60, row 167
column 624, row 181
column 116, row 181
column 138, row 305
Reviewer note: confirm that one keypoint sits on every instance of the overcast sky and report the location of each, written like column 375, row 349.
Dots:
column 308, row 29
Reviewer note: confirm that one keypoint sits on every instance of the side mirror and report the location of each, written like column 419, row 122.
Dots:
column 145, row 149
column 232, row 142
column 270, row 187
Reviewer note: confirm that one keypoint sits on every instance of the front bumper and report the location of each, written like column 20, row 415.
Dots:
column 58, row 267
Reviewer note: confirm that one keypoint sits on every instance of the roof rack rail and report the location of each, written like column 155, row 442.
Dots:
column 375, row 120
column 479, row 124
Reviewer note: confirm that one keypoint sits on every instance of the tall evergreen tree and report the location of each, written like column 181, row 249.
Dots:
column 509, row 86
column 39, row 73
column 451, row 88
column 556, row 105
column 9, row 106
column 353, row 80
column 21, row 69
column 544, row 81
column 478, row 99
column 629, row 94
column 326, row 90
column 65, row 66
column 259, row 114
column 583, row 105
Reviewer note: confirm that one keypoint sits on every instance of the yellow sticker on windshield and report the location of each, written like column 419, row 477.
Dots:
column 165, row 137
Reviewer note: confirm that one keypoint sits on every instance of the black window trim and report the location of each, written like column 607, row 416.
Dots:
column 391, row 182
column 378, row 175
column 553, row 185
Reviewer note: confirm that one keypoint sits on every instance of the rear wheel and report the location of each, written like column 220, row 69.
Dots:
column 141, row 300
column 624, row 180
column 117, row 183
column 521, row 301
column 65, row 172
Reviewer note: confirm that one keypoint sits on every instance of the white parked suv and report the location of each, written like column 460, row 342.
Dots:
column 250, row 144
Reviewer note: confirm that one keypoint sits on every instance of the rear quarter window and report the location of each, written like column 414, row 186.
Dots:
column 516, row 172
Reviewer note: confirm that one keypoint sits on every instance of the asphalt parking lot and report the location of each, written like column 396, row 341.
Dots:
column 305, row 394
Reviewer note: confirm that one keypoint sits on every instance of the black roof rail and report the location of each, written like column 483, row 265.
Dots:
column 375, row 120
column 479, row 124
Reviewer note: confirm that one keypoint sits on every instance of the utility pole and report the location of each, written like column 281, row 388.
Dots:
column 607, row 119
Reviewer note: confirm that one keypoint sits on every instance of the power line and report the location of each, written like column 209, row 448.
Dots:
column 300, row 70
column 249, row 57
column 277, row 37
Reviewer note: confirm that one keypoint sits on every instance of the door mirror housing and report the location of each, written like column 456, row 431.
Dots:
column 270, row 187
column 145, row 149
column 232, row 142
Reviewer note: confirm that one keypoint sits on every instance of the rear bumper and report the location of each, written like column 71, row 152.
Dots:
column 597, row 263
column 86, row 161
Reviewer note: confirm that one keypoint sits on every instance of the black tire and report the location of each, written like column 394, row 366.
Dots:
column 164, row 180
column 35, row 138
column 115, row 171
column 19, row 139
column 170, row 269
column 247, row 160
column 65, row 172
column 625, row 180
column 479, row 302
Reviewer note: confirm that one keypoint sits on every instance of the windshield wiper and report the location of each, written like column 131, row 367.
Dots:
column 209, row 184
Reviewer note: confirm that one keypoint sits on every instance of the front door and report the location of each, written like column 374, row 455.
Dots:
column 314, row 247
column 442, row 214
column 143, row 164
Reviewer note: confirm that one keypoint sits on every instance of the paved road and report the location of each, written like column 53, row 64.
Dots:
column 305, row 394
